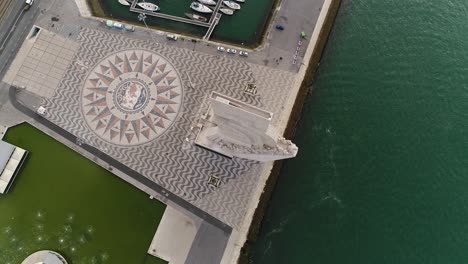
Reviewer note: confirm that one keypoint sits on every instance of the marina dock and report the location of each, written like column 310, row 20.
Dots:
column 215, row 12
column 211, row 24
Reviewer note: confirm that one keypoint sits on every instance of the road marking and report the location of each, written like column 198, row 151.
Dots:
column 12, row 50
column 12, row 29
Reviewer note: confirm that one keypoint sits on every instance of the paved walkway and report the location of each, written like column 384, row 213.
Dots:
column 174, row 237
column 83, row 8
column 42, row 63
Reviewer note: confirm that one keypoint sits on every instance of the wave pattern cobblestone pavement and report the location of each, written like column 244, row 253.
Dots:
column 167, row 159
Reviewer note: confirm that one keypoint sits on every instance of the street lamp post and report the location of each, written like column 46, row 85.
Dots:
column 142, row 17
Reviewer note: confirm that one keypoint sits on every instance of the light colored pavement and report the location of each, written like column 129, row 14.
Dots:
column 44, row 66
column 295, row 16
column 83, row 7
column 174, row 237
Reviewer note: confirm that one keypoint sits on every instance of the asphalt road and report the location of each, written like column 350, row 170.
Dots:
column 13, row 32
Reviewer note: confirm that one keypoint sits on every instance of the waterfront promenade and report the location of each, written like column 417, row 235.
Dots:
column 63, row 66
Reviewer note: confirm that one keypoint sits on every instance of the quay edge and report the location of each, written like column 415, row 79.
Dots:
column 307, row 74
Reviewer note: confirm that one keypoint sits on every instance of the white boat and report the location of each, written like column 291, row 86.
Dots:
column 148, row 6
column 207, row 2
column 226, row 11
column 196, row 17
column 240, row 1
column 124, row 2
column 200, row 8
column 232, row 5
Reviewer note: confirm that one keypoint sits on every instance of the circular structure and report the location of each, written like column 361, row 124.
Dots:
column 45, row 256
column 131, row 97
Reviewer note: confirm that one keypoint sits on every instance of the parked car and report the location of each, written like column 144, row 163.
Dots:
column 220, row 48
column 28, row 4
column 243, row 53
column 129, row 28
column 279, row 27
column 232, row 51
column 118, row 25
column 109, row 23
column 171, row 37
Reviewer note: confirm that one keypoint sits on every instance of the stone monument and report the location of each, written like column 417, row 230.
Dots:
column 236, row 129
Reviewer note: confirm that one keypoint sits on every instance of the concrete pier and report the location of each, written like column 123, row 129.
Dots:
column 215, row 22
column 215, row 11
column 166, row 16
column 211, row 24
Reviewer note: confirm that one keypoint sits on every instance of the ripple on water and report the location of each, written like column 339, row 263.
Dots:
column 392, row 85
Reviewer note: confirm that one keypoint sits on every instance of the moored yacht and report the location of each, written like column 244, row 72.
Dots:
column 232, row 5
column 200, row 8
column 196, row 17
column 124, row 2
column 207, row 2
column 226, row 11
column 240, row 1
column 148, row 6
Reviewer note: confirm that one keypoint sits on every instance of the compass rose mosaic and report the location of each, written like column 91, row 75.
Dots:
column 131, row 97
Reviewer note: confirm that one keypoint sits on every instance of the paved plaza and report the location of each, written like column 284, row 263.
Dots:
column 45, row 64
column 140, row 103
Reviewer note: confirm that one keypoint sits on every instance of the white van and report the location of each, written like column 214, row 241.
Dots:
column 171, row 37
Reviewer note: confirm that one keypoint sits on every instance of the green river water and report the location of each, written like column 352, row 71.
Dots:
column 244, row 27
column 382, row 172
column 61, row 201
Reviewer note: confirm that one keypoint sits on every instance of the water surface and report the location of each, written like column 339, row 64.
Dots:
column 63, row 202
column 245, row 26
column 382, row 170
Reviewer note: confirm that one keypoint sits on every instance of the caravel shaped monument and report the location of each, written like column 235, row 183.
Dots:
column 235, row 129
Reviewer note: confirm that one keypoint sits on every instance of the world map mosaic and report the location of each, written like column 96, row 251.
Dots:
column 131, row 97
